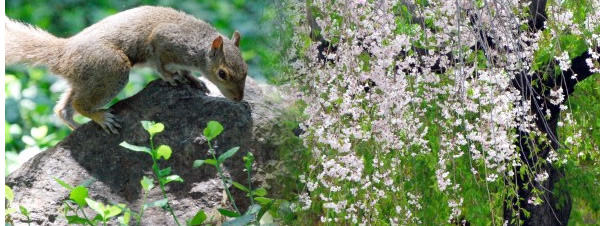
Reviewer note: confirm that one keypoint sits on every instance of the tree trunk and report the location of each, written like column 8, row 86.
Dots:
column 556, row 206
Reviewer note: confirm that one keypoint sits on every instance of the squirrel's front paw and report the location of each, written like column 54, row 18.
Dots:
column 195, row 82
column 202, row 86
column 198, row 84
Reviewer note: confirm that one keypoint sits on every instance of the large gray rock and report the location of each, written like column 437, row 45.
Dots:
column 91, row 153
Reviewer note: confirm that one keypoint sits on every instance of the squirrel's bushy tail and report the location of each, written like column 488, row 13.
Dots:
column 31, row 45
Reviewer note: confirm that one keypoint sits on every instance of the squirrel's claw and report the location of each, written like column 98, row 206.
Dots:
column 194, row 82
column 110, row 124
column 202, row 86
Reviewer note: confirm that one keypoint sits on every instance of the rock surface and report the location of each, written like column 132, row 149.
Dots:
column 91, row 153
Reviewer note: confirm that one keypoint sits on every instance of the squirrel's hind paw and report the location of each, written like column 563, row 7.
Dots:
column 110, row 123
column 170, row 81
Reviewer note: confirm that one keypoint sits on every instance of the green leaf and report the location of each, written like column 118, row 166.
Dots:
column 227, row 154
column 112, row 211
column 9, row 211
column 285, row 211
column 98, row 217
column 199, row 218
column 76, row 220
column 64, row 184
column 263, row 200
column 147, row 183
column 211, row 162
column 198, row 163
column 228, row 213
column 96, row 206
column 134, row 147
column 147, row 124
column 163, row 151
column 79, row 195
column 259, row 192
column 171, row 178
column 160, row 203
column 264, row 210
column 212, row 130
column 243, row 220
column 153, row 127
column 24, row 211
column 8, row 193
column 240, row 186
column 124, row 220
column 248, row 159
column 253, row 209
column 156, row 128
column 164, row 172
column 573, row 44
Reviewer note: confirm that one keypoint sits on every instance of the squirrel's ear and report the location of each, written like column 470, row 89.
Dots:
column 217, row 43
column 236, row 39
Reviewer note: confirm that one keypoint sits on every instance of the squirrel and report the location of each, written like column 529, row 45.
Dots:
column 96, row 61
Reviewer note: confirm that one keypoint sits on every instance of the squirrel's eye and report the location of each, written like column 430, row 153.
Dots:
column 222, row 75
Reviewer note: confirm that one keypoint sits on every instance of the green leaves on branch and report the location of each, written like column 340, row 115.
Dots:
column 162, row 151
column 77, row 194
column 164, row 175
column 256, row 211
column 80, row 196
column 219, row 160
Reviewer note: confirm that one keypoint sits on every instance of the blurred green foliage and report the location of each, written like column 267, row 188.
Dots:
column 31, row 93
column 582, row 173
